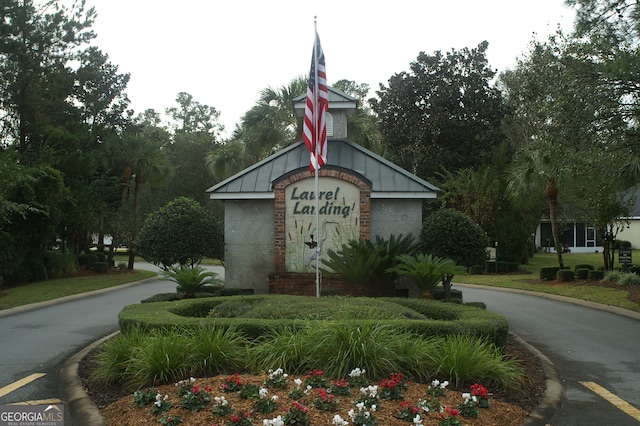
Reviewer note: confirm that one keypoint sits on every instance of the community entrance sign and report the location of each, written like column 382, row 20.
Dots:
column 339, row 213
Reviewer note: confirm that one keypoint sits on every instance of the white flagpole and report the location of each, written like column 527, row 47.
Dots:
column 316, row 135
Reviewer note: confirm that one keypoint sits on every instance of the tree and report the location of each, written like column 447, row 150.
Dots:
column 191, row 142
column 565, row 125
column 139, row 158
column 37, row 45
column 182, row 232
column 612, row 29
column 443, row 113
column 450, row 234
column 362, row 127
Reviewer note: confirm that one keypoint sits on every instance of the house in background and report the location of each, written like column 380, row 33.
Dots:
column 580, row 237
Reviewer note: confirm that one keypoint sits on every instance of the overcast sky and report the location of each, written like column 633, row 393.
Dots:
column 225, row 52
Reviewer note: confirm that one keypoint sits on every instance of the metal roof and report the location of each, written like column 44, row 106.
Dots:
column 387, row 179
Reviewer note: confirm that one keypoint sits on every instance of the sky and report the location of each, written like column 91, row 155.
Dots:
column 224, row 53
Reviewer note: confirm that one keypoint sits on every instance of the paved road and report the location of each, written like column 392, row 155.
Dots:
column 40, row 340
column 584, row 344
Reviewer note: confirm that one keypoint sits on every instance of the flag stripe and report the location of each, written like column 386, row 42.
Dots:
column 314, row 133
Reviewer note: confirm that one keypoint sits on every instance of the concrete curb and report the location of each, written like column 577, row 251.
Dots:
column 586, row 303
column 544, row 412
column 81, row 410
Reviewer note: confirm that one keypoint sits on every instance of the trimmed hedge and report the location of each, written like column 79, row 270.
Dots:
column 582, row 273
column 476, row 270
column 565, row 275
column 549, row 273
column 596, row 275
column 584, row 266
column 443, row 318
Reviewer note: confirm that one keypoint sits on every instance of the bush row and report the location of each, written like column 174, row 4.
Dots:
column 440, row 319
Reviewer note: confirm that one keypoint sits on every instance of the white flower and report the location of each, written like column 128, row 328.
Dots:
column 339, row 421
column 466, row 396
column 274, row 398
column 220, row 400
column 273, row 422
column 298, row 382
column 357, row 372
column 435, row 383
column 444, row 384
column 263, row 392
column 374, row 407
column 352, row 414
column 417, row 420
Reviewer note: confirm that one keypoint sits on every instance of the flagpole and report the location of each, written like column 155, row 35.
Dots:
column 316, row 136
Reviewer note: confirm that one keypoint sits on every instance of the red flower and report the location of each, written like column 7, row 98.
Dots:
column 479, row 390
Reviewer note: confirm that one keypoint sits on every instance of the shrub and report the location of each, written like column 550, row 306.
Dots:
column 596, row 275
column 629, row 278
column 582, row 273
column 448, row 233
column 182, row 232
column 513, row 266
column 476, row 269
column 549, row 273
column 565, row 275
column 584, row 266
column 364, row 261
column 60, row 264
column 425, row 271
column 87, row 259
column 465, row 360
column 191, row 280
column 102, row 267
column 622, row 244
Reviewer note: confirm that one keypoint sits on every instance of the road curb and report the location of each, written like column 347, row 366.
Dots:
column 80, row 409
column 599, row 306
column 46, row 303
column 544, row 412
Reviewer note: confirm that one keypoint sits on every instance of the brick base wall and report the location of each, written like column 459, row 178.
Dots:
column 305, row 285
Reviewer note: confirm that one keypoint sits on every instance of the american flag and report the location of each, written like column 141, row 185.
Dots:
column 314, row 131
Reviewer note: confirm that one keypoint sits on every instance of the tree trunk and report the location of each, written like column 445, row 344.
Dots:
column 134, row 230
column 552, row 195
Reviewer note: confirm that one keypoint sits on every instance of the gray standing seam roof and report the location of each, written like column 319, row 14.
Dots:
column 387, row 179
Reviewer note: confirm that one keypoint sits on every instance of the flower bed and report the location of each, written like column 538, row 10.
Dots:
column 393, row 401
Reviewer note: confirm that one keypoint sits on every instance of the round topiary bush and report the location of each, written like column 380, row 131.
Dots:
column 182, row 232
column 596, row 275
column 451, row 234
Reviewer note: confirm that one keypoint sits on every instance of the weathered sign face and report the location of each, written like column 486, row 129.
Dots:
column 339, row 212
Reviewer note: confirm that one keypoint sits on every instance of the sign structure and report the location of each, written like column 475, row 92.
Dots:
column 32, row 415
column 624, row 256
column 339, row 212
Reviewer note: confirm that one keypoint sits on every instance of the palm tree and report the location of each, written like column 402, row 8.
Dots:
column 533, row 170
column 141, row 159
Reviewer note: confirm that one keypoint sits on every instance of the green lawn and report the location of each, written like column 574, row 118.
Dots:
column 52, row 289
column 605, row 295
